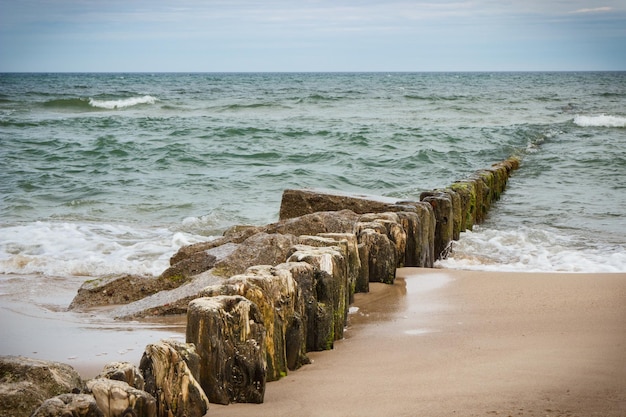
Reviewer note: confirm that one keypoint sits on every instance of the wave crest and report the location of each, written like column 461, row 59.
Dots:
column 602, row 120
column 122, row 103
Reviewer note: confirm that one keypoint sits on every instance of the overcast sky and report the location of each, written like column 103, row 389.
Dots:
column 322, row 35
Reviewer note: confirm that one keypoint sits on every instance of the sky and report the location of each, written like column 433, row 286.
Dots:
column 311, row 35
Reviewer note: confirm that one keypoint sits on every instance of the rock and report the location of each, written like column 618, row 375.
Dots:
column 467, row 196
column 410, row 223
column 241, row 232
column 170, row 302
column 444, row 229
column 188, row 353
column 428, row 224
column 392, row 228
column 233, row 235
column 26, row 383
column 289, row 315
column 118, row 399
column 296, row 203
column 341, row 221
column 195, row 264
column 65, row 405
column 306, row 277
column 258, row 249
column 277, row 295
column 350, row 244
column 331, row 288
column 170, row 381
column 123, row 371
column 487, row 177
column 482, row 194
column 457, row 213
column 378, row 253
column 229, row 335
column 120, row 290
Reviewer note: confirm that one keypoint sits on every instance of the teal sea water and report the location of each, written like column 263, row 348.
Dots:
column 112, row 173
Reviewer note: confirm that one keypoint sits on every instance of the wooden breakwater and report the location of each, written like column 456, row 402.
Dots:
column 454, row 209
column 344, row 242
column 259, row 298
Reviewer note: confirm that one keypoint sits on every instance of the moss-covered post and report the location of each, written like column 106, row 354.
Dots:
column 229, row 335
column 444, row 229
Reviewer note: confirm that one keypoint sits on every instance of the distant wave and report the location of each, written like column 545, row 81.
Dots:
column 122, row 103
column 68, row 104
column 95, row 104
column 250, row 106
column 602, row 120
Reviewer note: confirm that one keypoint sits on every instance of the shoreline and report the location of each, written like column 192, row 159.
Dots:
column 445, row 342
column 437, row 342
column 35, row 323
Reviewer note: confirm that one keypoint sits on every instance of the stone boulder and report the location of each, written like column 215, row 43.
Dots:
column 410, row 223
column 296, row 203
column 443, row 209
column 120, row 290
column 467, row 195
column 229, row 336
column 378, row 253
column 258, row 249
column 118, row 399
column 170, row 381
column 482, row 194
column 66, row 405
column 195, row 264
column 277, row 295
column 391, row 227
column 425, row 237
column 350, row 249
column 306, row 276
column 123, row 371
column 457, row 213
column 26, row 383
column 234, row 235
column 200, row 257
column 331, row 290
column 170, row 302
column 245, row 246
column 340, row 221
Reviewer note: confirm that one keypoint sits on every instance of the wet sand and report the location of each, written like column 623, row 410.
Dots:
column 437, row 343
column 34, row 322
column 445, row 343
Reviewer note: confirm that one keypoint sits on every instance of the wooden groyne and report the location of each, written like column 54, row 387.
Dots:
column 451, row 210
column 260, row 297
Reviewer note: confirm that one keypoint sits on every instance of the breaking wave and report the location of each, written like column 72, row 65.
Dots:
column 88, row 249
column 531, row 250
column 122, row 103
column 602, row 120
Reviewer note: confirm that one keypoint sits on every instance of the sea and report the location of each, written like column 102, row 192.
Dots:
column 111, row 173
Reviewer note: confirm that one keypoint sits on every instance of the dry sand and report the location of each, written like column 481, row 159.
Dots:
column 460, row 343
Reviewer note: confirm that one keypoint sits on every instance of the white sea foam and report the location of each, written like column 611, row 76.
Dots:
column 531, row 250
column 88, row 249
column 601, row 120
column 122, row 103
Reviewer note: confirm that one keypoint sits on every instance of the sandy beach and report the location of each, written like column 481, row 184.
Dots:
column 436, row 343
column 445, row 343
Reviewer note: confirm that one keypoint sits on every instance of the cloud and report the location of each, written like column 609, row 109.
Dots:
column 594, row 10
column 283, row 34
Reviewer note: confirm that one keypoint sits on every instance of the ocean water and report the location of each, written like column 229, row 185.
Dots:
column 112, row 173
